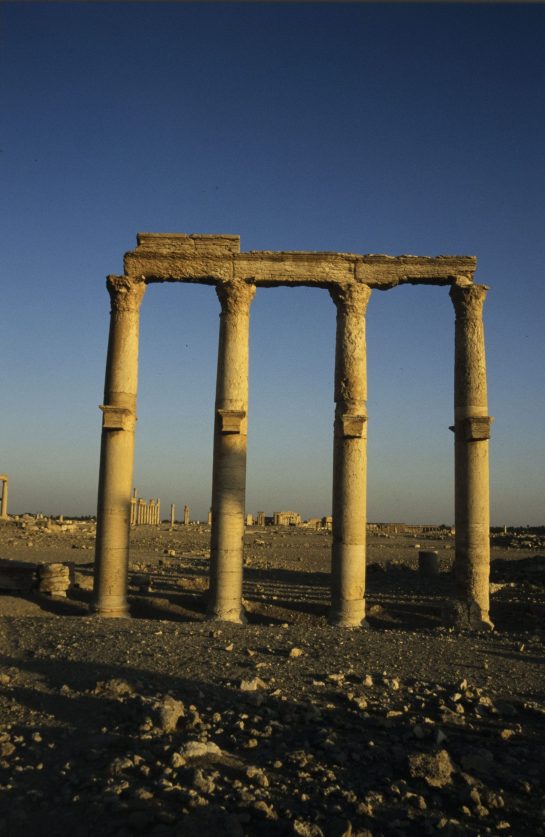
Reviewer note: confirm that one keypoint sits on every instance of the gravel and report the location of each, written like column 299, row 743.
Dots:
column 168, row 725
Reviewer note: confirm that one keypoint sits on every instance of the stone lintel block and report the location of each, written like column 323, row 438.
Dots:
column 117, row 418
column 188, row 244
column 382, row 271
column 203, row 268
column 17, row 576
column 477, row 428
column 353, row 425
column 231, row 420
column 295, row 268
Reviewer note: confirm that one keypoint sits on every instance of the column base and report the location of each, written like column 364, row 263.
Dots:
column 236, row 616
column 352, row 615
column 114, row 610
column 466, row 616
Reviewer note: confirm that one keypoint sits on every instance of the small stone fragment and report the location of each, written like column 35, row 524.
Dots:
column 436, row 768
column 169, row 712
column 258, row 776
column 252, row 685
column 116, row 687
column 200, row 749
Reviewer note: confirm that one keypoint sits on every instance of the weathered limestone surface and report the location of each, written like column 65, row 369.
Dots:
column 349, row 458
column 117, row 447
column 55, row 579
column 213, row 259
column 471, row 432
column 229, row 471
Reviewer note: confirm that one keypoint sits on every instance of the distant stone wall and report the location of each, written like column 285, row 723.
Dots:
column 408, row 529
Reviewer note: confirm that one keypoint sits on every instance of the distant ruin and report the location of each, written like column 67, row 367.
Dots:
column 216, row 260
column 4, row 479
column 144, row 512
column 286, row 518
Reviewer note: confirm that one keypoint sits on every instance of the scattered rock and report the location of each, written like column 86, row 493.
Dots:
column 200, row 749
column 252, row 684
column 435, row 768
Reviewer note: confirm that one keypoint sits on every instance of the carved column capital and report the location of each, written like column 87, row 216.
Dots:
column 235, row 296
column 468, row 300
column 352, row 297
column 126, row 293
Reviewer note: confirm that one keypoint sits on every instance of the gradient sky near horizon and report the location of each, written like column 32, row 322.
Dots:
column 357, row 128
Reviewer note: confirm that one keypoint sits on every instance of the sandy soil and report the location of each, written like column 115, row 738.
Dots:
column 169, row 725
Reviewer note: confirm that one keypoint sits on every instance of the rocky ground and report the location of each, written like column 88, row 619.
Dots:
column 168, row 725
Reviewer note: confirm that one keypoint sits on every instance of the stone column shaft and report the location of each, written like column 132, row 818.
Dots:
column 4, row 506
column 349, row 458
column 472, row 432
column 117, row 448
column 230, row 434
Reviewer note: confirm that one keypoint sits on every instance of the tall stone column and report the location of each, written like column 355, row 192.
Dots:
column 349, row 458
column 4, row 506
column 230, row 433
column 117, row 448
column 471, row 432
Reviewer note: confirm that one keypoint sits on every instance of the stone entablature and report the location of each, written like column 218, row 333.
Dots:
column 212, row 259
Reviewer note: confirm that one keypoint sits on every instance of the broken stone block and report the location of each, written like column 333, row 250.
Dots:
column 55, row 579
column 16, row 576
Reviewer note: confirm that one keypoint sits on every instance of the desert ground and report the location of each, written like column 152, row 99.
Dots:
column 168, row 725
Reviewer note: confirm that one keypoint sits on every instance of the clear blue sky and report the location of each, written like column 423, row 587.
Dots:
column 384, row 129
